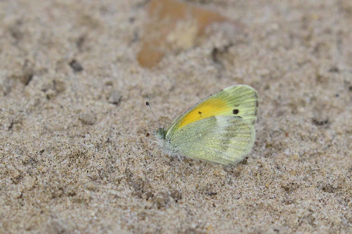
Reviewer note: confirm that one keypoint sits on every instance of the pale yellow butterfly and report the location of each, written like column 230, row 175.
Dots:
column 218, row 129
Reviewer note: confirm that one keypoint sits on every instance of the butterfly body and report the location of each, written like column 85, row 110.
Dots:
column 219, row 129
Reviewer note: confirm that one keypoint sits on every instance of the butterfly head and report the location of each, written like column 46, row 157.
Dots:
column 164, row 143
column 160, row 134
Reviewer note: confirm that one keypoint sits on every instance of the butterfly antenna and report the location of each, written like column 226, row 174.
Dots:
column 147, row 103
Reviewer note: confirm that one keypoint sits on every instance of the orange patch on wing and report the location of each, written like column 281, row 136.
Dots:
column 209, row 108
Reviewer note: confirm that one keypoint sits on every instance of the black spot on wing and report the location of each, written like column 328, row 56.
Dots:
column 235, row 111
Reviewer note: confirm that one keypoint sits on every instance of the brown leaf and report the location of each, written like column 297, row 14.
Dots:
column 173, row 26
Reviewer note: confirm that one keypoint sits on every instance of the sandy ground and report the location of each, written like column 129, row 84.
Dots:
column 74, row 156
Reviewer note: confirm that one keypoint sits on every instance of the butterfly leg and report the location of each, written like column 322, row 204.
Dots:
column 155, row 151
column 179, row 158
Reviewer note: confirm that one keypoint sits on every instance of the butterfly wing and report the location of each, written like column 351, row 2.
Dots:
column 219, row 139
column 238, row 101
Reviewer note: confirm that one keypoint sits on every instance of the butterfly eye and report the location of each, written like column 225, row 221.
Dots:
column 235, row 111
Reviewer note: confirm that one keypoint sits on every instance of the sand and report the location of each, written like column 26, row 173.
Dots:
column 74, row 155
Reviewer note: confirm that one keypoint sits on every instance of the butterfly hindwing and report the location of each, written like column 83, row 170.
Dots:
column 220, row 139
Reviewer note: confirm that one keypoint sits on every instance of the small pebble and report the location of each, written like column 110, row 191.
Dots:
column 115, row 97
column 87, row 118
column 76, row 66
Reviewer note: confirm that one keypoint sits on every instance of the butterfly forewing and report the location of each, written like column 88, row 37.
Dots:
column 240, row 101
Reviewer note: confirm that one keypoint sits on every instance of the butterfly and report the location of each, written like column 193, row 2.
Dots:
column 219, row 129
